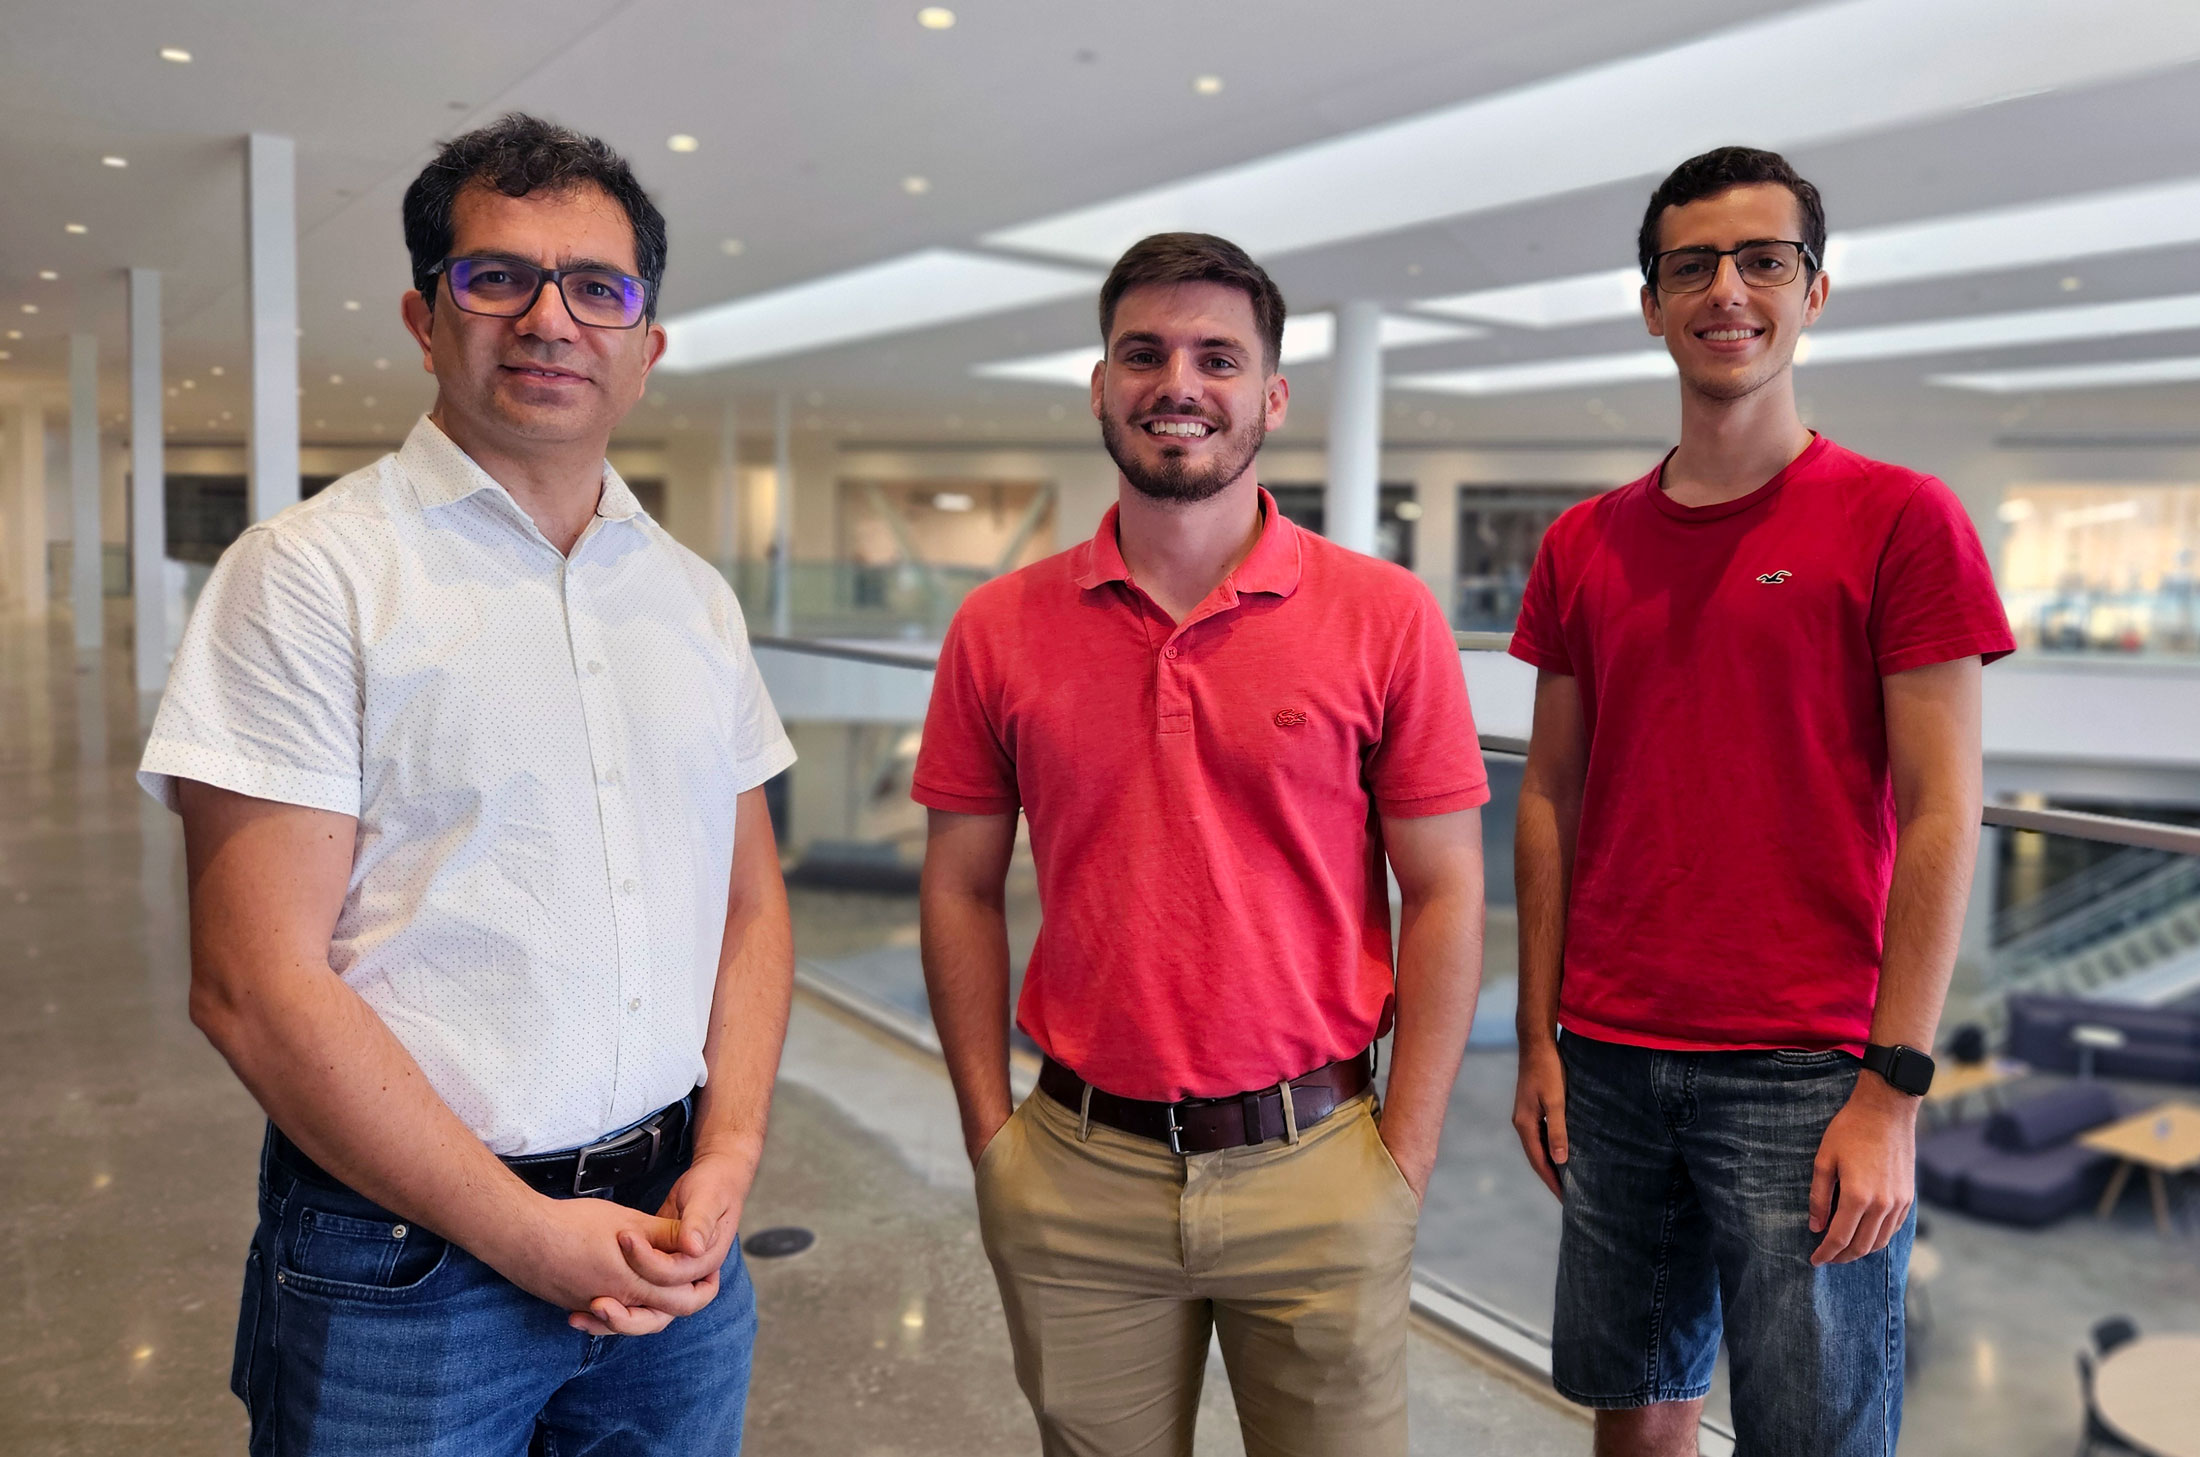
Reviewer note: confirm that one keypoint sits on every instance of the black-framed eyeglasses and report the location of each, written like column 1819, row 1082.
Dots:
column 1764, row 263
column 505, row 288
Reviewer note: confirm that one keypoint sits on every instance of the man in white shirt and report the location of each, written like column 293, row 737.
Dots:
column 485, row 905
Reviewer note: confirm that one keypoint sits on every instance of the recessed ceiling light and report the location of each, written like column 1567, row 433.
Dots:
column 30, row 308
column 351, row 305
column 682, row 142
column 936, row 17
column 2072, row 284
column 1207, row 85
column 15, row 333
column 381, row 364
column 335, row 379
column 5, row 355
column 177, row 54
column 215, row 371
column 173, row 392
column 78, row 228
column 48, row 274
column 916, row 186
column 190, row 384
column 111, row 160
column 733, row 247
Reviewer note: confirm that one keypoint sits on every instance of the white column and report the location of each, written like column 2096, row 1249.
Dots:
column 783, row 515
column 726, row 490
column 271, row 291
column 148, row 487
column 1352, row 503
column 84, row 547
column 27, row 541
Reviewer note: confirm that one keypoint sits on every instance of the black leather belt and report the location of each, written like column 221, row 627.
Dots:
column 629, row 1155
column 1208, row 1125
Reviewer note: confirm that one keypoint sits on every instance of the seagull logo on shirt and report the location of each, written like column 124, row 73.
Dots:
column 1773, row 579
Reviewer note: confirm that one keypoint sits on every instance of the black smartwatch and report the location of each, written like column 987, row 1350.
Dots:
column 1905, row 1068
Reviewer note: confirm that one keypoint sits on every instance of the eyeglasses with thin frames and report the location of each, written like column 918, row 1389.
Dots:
column 505, row 288
column 1760, row 263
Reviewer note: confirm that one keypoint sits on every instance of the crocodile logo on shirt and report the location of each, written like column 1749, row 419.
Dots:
column 1773, row 579
column 1290, row 717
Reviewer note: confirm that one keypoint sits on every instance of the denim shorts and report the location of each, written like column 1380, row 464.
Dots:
column 1687, row 1217
column 364, row 1336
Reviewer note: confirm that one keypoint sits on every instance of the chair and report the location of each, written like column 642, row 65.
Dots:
column 2097, row 1437
column 1967, row 1046
column 2116, row 1330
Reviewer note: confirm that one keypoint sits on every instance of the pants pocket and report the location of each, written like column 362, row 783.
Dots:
column 345, row 1257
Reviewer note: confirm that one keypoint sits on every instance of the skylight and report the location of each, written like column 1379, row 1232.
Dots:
column 915, row 291
column 2059, row 231
column 1845, row 69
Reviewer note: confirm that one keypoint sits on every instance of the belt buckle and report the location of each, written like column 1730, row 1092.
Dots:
column 619, row 1143
column 1176, row 1132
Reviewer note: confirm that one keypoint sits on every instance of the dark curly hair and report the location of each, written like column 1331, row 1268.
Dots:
column 1716, row 171
column 1167, row 258
column 518, row 154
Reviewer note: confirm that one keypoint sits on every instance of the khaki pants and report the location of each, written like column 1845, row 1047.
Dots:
column 1116, row 1258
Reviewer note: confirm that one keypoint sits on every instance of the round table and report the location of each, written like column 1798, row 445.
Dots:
column 2148, row 1392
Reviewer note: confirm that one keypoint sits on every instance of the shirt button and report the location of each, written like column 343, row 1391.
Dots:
column 629, row 886
column 635, row 1005
column 1168, row 652
column 613, row 777
column 594, row 666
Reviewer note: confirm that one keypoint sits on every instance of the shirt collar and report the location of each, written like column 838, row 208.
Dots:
column 1272, row 566
column 443, row 475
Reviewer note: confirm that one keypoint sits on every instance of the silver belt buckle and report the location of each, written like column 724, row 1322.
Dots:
column 618, row 1143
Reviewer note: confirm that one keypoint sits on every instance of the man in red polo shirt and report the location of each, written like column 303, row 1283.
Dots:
column 1218, row 726
column 1746, row 834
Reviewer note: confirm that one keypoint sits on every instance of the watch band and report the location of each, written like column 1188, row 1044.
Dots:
column 1905, row 1068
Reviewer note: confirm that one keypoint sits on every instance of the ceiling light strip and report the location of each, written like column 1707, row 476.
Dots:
column 2120, row 374
column 2063, row 230
column 915, row 291
column 1845, row 69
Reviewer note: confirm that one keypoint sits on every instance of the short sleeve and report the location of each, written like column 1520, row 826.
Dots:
column 761, row 747
column 962, row 766
column 1539, row 637
column 264, row 695
column 1934, row 599
column 1430, row 759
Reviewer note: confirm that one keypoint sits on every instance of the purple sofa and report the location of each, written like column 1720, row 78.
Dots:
column 2022, row 1165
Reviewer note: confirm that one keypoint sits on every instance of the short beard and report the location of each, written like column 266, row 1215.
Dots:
column 1173, row 481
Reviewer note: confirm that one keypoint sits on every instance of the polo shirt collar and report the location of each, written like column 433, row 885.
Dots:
column 1272, row 566
column 443, row 475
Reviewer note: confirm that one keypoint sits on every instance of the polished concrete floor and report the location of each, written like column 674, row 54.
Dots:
column 127, row 1153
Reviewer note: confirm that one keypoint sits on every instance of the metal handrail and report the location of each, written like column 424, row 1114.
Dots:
column 2108, row 829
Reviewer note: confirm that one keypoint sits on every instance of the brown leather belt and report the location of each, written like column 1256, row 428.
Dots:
column 1208, row 1125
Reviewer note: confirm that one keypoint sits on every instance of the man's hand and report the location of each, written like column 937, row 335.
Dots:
column 981, row 1128
column 1416, row 1164
column 573, row 1254
column 1865, row 1177
column 704, row 1209
column 1539, row 1114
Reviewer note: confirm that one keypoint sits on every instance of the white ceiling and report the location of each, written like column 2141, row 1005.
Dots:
column 810, row 117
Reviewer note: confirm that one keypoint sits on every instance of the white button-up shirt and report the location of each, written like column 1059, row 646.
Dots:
column 542, row 753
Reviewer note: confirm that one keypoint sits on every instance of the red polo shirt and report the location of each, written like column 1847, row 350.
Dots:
column 1737, row 829
column 1203, row 798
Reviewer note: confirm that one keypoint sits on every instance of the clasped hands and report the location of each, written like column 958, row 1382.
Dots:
column 623, row 1272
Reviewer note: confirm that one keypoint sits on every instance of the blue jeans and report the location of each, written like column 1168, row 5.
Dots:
column 363, row 1336
column 1688, row 1215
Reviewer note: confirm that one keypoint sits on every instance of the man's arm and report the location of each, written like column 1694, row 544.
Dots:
column 1543, row 873
column 267, row 881
column 965, row 936
column 1438, row 862
column 1866, row 1174
column 748, row 1026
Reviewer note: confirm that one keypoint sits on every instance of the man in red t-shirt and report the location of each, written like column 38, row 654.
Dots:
column 1746, row 835
column 1218, row 727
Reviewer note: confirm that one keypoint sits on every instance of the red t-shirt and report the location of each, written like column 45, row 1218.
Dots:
column 1737, row 829
column 1203, row 798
